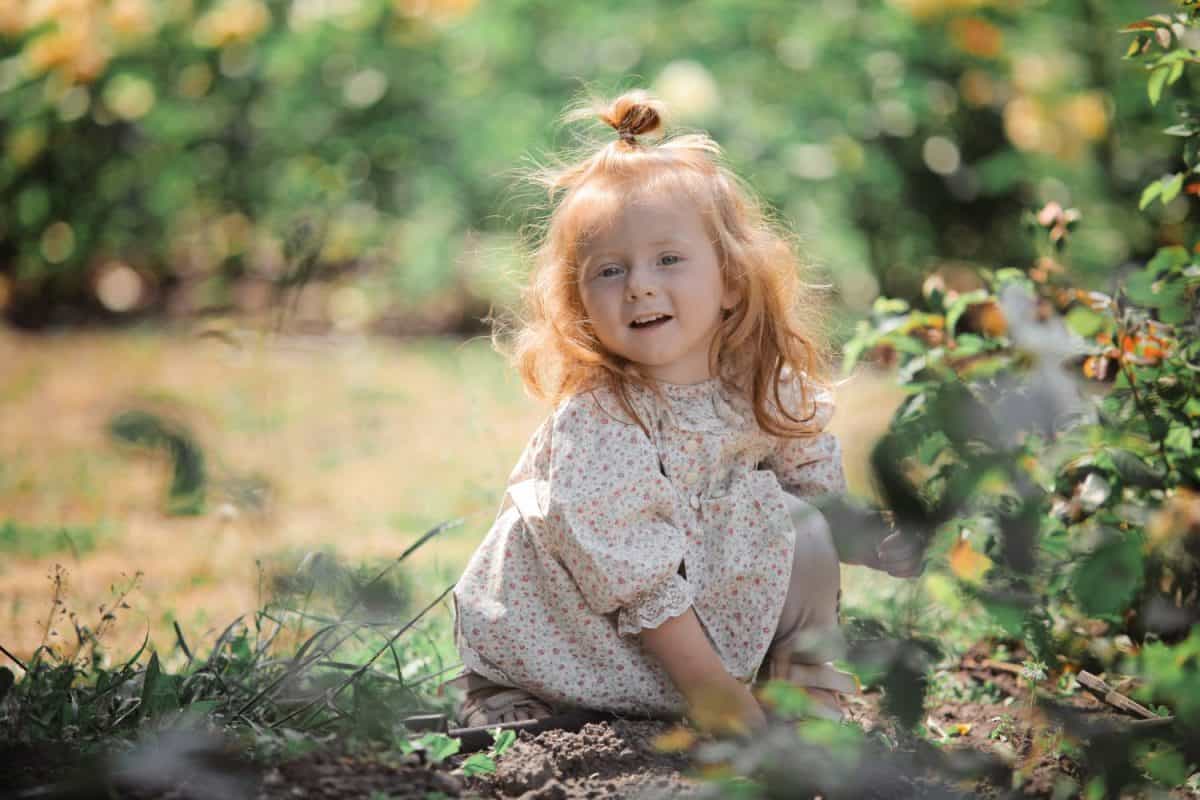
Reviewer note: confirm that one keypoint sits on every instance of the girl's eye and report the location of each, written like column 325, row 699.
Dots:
column 669, row 260
column 608, row 272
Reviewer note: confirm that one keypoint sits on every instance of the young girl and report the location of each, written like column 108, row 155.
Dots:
column 654, row 552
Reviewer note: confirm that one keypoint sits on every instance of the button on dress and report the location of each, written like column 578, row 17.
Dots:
column 604, row 531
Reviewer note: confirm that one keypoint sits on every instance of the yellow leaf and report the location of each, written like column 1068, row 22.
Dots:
column 962, row 728
column 676, row 740
column 966, row 563
column 716, row 772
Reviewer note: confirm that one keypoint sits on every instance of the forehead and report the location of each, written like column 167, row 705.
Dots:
column 613, row 217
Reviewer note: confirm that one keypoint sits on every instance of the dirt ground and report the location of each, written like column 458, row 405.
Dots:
column 617, row 759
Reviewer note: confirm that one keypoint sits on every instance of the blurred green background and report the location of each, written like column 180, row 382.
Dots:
column 350, row 165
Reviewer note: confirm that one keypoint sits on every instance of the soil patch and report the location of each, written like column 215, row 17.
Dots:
column 610, row 759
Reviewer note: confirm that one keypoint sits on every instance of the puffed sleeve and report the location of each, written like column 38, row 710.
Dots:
column 810, row 466
column 609, row 517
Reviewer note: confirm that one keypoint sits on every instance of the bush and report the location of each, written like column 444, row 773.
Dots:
column 1048, row 450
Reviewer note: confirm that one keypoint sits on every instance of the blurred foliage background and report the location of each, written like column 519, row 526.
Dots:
column 350, row 164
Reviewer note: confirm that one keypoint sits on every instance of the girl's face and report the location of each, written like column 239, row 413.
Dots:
column 652, row 288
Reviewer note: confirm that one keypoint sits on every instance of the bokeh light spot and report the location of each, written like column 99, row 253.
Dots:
column 814, row 162
column 74, row 104
column 194, row 81
column 364, row 88
column 941, row 155
column 349, row 308
column 58, row 242
column 896, row 118
column 119, row 287
column 129, row 96
column 687, row 88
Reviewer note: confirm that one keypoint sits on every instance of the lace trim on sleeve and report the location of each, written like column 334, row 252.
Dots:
column 669, row 599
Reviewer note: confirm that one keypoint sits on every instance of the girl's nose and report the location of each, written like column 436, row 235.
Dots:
column 640, row 291
column 638, row 287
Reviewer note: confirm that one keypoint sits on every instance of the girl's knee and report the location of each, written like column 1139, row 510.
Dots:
column 814, row 538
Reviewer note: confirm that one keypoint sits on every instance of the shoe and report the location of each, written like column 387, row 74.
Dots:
column 824, row 684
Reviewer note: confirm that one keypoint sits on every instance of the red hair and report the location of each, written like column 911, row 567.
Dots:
column 777, row 325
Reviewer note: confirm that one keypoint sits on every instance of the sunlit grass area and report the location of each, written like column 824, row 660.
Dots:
column 347, row 446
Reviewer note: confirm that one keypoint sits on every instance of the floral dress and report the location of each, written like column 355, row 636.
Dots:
column 604, row 531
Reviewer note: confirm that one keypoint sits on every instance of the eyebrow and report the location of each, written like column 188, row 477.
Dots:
column 659, row 243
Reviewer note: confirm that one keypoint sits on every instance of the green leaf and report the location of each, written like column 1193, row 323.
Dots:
column 437, row 746
column 931, row 446
column 852, row 352
column 1171, row 670
column 149, row 686
column 478, row 764
column 1085, row 322
column 1009, row 616
column 1149, row 291
column 502, row 739
column 1132, row 470
column 1151, row 191
column 1154, row 86
column 1168, row 258
column 1179, row 437
column 1140, row 289
column 202, row 708
column 969, row 344
column 1171, row 187
column 1176, row 73
column 1175, row 307
column 1107, row 578
column 1167, row 766
column 887, row 306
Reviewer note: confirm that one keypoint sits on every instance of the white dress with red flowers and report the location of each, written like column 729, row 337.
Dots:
column 604, row 531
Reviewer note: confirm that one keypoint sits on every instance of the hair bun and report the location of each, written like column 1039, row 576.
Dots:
column 633, row 114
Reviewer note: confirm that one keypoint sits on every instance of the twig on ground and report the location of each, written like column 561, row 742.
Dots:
column 994, row 666
column 1113, row 697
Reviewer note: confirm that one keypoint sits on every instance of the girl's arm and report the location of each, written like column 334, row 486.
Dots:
column 716, row 700
column 811, row 468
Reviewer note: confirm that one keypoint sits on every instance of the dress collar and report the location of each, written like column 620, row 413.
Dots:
column 702, row 406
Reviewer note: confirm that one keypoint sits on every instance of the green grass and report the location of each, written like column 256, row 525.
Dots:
column 35, row 541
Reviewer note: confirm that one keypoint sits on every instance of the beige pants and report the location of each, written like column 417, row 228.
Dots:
column 807, row 636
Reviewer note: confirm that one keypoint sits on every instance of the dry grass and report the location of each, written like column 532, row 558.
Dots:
column 364, row 445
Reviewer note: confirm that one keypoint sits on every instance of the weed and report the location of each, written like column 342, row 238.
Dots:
column 1004, row 729
column 280, row 705
column 951, row 687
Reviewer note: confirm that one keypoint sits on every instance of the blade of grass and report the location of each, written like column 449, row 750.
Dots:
column 14, row 659
column 299, row 665
column 412, row 548
column 221, row 640
column 433, row 675
column 182, row 642
column 358, row 673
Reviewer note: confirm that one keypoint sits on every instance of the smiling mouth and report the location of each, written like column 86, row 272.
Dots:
column 654, row 323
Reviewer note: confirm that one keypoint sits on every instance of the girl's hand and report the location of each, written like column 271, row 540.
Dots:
column 726, row 707
column 899, row 555
column 716, row 701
